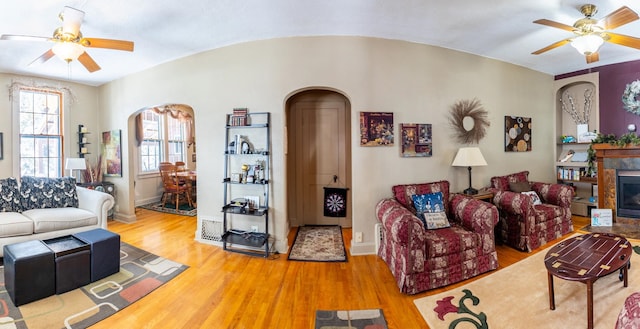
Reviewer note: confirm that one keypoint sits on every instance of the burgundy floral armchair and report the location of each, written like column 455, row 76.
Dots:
column 422, row 259
column 526, row 226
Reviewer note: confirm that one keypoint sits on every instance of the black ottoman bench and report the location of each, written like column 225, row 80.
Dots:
column 29, row 271
column 72, row 257
column 105, row 252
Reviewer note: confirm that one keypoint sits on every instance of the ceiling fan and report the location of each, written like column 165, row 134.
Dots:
column 69, row 44
column 591, row 33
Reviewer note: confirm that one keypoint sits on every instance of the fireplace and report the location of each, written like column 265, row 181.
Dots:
column 628, row 193
column 615, row 163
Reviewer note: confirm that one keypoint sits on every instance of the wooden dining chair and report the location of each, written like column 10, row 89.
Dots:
column 181, row 166
column 172, row 185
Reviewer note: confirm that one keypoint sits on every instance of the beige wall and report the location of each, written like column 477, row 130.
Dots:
column 418, row 83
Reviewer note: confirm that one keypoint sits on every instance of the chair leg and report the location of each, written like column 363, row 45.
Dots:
column 188, row 192
column 177, row 200
column 164, row 198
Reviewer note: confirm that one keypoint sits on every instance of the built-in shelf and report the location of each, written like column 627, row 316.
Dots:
column 83, row 141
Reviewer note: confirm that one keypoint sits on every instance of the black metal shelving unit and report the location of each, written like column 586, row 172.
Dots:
column 252, row 147
column 82, row 133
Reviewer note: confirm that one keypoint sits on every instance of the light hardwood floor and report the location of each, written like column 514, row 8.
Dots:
column 229, row 290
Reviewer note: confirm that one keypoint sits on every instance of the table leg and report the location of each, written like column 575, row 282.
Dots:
column 552, row 301
column 589, row 304
column 625, row 272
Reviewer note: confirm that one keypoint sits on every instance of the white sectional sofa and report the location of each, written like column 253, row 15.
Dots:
column 45, row 208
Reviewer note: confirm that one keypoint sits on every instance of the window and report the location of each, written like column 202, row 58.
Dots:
column 175, row 139
column 40, row 133
column 164, row 139
column 150, row 151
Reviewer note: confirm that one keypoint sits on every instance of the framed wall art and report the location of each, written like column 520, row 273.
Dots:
column 376, row 129
column 416, row 140
column 112, row 153
column 517, row 134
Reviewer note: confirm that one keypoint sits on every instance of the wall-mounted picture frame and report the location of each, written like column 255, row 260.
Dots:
column 1, row 147
column 376, row 129
column 112, row 153
column 517, row 134
column 416, row 140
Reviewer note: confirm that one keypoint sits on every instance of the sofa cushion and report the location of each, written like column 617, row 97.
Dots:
column 535, row 199
column 519, row 187
column 14, row 224
column 43, row 192
column 453, row 240
column 9, row 195
column 502, row 182
column 55, row 219
column 403, row 193
column 430, row 210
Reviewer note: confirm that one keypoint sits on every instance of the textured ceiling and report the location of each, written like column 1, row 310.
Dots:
column 164, row 30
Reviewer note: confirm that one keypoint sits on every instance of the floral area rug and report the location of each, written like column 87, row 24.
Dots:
column 170, row 208
column 518, row 297
column 318, row 244
column 352, row 319
column 140, row 274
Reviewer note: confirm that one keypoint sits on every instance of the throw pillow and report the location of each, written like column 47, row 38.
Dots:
column 435, row 220
column 42, row 192
column 534, row 197
column 430, row 210
column 519, row 187
column 9, row 195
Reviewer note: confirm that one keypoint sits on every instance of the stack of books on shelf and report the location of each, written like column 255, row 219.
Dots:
column 239, row 117
column 574, row 174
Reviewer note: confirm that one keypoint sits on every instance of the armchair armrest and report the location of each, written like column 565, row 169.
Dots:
column 96, row 202
column 474, row 215
column 404, row 236
column 513, row 203
column 400, row 223
column 555, row 194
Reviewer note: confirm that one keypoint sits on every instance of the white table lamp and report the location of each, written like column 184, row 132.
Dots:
column 76, row 164
column 469, row 157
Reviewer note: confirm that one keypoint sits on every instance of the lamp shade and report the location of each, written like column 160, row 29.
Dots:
column 469, row 157
column 68, row 51
column 76, row 163
column 587, row 44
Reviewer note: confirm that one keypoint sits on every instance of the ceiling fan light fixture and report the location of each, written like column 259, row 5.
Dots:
column 587, row 44
column 68, row 51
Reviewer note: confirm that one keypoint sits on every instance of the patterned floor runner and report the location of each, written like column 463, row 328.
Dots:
column 318, row 244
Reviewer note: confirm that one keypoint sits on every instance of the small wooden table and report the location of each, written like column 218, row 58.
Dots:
column 586, row 258
column 482, row 195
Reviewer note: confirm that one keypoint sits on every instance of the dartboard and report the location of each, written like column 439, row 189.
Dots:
column 335, row 203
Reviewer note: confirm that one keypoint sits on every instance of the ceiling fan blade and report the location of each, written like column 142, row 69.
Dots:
column 555, row 24
column 594, row 57
column 43, row 58
column 618, row 18
column 23, row 37
column 107, row 43
column 551, row 46
column 88, row 62
column 624, row 40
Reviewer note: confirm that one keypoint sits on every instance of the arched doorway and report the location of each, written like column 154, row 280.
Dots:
column 318, row 155
column 175, row 138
